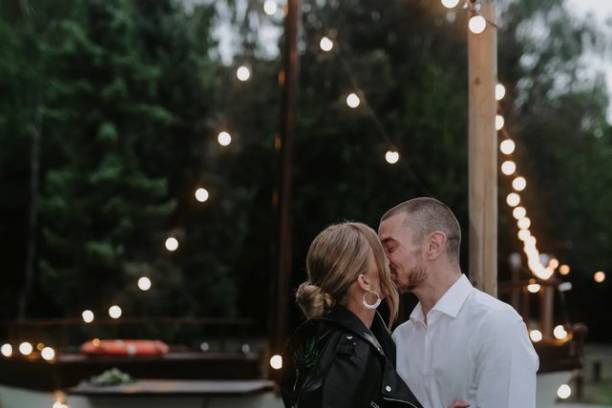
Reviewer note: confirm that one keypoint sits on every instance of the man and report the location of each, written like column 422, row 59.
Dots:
column 459, row 343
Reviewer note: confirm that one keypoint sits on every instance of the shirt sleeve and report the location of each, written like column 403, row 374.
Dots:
column 506, row 363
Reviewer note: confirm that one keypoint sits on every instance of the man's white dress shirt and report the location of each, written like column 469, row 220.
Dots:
column 473, row 347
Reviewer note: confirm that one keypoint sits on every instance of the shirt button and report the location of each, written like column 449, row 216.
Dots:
column 388, row 388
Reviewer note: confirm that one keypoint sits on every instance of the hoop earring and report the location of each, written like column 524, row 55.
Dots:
column 374, row 305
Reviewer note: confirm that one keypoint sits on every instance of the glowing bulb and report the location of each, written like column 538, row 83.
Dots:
column 564, row 391
column 553, row 263
column 58, row 404
column 499, row 122
column 326, row 44
column 519, row 212
column 172, row 244
column 564, row 269
column 524, row 234
column 224, row 138
column 88, row 316
column 114, row 312
column 519, row 183
column 352, row 100
column 26, row 348
column 144, row 283
column 500, row 92
column 535, row 335
column 392, row 156
column 524, row 223
column 507, row 146
column 201, row 194
column 559, row 332
column 450, row 3
column 534, row 287
column 477, row 24
column 48, row 353
column 276, row 362
column 513, row 199
column 243, row 73
column 270, row 7
column 6, row 350
column 508, row 167
column 599, row 276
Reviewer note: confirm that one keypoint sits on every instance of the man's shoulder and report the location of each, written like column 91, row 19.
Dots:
column 402, row 330
column 484, row 304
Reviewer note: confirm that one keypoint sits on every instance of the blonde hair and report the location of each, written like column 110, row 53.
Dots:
column 336, row 258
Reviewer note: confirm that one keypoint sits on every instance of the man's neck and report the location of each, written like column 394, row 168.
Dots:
column 436, row 285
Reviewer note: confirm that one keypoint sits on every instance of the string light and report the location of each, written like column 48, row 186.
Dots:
column 534, row 287
column 26, row 348
column 201, row 194
column 477, row 24
column 172, row 244
column 115, row 312
column 224, row 138
column 352, row 100
column 88, row 316
column 326, row 44
column 450, row 3
column 499, row 122
column 535, row 336
column 513, row 199
column 559, row 332
column 507, row 147
column 500, row 92
column 564, row 391
column 48, row 354
column 243, row 73
column 276, row 362
column 144, row 283
column 6, row 350
column 519, row 183
column 553, row 263
column 392, row 156
column 519, row 212
column 524, row 234
column 270, row 7
column 524, row 223
column 599, row 276
column 508, row 167
column 564, row 270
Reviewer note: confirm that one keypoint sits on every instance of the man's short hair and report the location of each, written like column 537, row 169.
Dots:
column 426, row 215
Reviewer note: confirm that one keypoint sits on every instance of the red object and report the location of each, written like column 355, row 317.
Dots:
column 120, row 347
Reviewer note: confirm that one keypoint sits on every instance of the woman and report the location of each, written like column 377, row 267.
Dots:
column 343, row 355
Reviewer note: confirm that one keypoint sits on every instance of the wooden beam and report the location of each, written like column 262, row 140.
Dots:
column 482, row 56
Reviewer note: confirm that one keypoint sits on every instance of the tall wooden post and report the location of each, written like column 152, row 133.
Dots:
column 287, row 78
column 482, row 50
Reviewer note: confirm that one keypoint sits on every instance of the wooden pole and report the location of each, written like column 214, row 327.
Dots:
column 287, row 78
column 482, row 56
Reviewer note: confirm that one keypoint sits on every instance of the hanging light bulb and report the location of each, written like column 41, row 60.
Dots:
column 519, row 183
column 508, row 167
column 88, row 316
column 48, row 354
column 243, row 73
column 524, row 223
column 450, row 3
column 270, row 7
column 352, row 100
column 6, row 350
column 201, row 194
column 519, row 212
column 326, row 44
column 477, row 24
column 499, row 122
column 115, row 312
column 392, row 156
column 507, row 146
column 26, row 348
column 535, row 336
column 500, row 92
column 513, row 199
column 224, row 138
column 172, row 244
column 144, row 283
column 564, row 269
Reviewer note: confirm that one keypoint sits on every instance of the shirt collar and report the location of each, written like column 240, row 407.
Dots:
column 451, row 302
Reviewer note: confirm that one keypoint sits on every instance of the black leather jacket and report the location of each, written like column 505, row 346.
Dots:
column 337, row 362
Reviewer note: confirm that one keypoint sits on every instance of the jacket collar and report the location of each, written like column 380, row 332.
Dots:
column 346, row 319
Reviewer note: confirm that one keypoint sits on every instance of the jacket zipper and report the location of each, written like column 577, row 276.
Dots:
column 402, row 401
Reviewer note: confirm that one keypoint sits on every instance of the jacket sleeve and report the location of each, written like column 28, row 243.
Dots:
column 353, row 378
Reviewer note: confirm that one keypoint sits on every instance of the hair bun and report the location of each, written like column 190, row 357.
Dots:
column 313, row 300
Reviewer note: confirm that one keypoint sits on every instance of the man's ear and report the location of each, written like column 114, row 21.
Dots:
column 436, row 245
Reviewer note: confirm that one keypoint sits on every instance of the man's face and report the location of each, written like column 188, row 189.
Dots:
column 403, row 251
